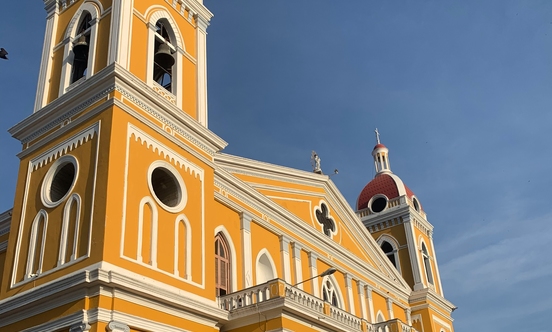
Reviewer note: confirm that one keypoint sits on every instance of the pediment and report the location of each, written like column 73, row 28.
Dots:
column 317, row 204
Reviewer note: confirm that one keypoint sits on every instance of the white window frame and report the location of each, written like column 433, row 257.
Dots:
column 335, row 289
column 426, row 262
column 76, row 199
column 182, row 219
column 29, row 273
column 178, row 46
column 264, row 252
column 395, row 244
column 69, row 38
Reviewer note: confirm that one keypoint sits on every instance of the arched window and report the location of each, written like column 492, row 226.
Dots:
column 390, row 252
column 37, row 244
column 427, row 264
column 147, row 232
column 390, row 247
column 70, row 231
column 163, row 59
column 265, row 269
column 329, row 292
column 81, row 48
column 182, row 247
column 222, row 265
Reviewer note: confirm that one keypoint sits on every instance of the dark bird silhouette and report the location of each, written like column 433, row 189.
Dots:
column 3, row 54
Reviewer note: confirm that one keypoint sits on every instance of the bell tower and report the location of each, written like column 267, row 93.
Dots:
column 117, row 164
column 394, row 216
column 163, row 45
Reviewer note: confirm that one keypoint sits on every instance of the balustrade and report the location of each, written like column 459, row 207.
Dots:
column 279, row 289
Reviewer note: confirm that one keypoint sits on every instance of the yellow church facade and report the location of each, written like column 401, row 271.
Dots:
column 129, row 217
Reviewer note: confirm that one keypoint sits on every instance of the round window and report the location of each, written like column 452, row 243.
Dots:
column 378, row 204
column 167, row 186
column 59, row 181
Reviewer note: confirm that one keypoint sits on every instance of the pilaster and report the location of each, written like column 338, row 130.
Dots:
column 349, row 287
column 296, row 247
column 313, row 273
column 390, row 308
column 286, row 260
column 201, row 40
column 412, row 252
column 245, row 227
column 50, row 35
column 362, row 296
column 370, row 304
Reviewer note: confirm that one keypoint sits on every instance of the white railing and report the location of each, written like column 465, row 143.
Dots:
column 301, row 300
column 346, row 318
column 248, row 296
column 304, row 299
column 392, row 325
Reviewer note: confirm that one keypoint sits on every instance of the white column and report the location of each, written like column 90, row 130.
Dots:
column 50, row 34
column 370, row 304
column 201, row 47
column 178, row 77
column 362, row 297
column 245, row 226
column 350, row 298
column 297, row 261
column 119, row 37
column 286, row 261
column 413, row 252
column 313, row 258
column 115, row 326
column 123, row 54
column 408, row 313
column 390, row 308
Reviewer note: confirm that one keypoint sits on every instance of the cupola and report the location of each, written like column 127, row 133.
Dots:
column 385, row 186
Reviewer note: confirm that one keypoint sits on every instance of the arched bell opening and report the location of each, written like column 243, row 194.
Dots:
column 164, row 59
column 81, row 48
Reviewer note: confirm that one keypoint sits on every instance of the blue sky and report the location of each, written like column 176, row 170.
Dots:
column 460, row 92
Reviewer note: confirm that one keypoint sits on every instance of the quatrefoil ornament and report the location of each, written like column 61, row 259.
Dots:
column 323, row 218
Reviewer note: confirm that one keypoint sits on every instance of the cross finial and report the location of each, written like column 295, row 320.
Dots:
column 377, row 136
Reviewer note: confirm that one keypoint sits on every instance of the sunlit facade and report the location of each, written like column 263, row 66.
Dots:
column 128, row 217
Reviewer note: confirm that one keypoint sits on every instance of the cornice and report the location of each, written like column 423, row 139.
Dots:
column 75, row 286
column 99, row 87
column 246, row 166
column 71, row 103
column 428, row 296
column 195, row 8
column 171, row 115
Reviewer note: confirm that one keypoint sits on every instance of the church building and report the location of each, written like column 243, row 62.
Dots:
column 129, row 217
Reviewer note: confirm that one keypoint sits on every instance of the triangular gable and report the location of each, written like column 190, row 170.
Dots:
column 315, row 202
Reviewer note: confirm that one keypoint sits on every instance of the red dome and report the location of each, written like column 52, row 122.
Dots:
column 379, row 145
column 389, row 185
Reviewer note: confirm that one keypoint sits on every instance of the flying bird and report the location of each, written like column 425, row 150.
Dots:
column 3, row 54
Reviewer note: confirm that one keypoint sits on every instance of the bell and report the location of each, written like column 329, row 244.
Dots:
column 80, row 49
column 163, row 57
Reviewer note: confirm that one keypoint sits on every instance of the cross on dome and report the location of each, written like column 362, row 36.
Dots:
column 381, row 156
